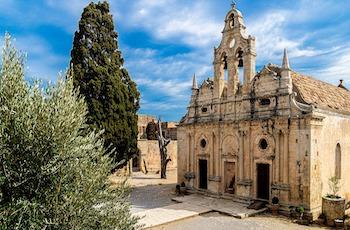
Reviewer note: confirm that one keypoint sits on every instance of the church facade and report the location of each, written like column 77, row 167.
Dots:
column 275, row 133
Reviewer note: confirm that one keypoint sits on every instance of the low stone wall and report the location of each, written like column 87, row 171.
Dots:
column 150, row 155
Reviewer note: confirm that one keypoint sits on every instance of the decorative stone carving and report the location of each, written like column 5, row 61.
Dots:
column 230, row 146
column 261, row 151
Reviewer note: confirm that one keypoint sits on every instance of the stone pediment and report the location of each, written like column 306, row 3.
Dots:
column 267, row 71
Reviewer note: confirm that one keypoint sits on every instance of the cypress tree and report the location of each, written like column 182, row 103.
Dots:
column 111, row 95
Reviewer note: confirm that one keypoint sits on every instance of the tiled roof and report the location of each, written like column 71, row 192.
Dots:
column 319, row 93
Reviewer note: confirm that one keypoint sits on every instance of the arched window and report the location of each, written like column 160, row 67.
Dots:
column 338, row 161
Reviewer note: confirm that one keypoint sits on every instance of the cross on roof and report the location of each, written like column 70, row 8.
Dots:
column 233, row 4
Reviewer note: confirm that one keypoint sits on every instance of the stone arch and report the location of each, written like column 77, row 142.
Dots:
column 224, row 65
column 231, row 19
column 239, row 55
column 230, row 145
column 337, row 172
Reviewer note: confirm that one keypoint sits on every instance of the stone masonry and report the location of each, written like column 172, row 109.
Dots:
column 149, row 156
column 275, row 133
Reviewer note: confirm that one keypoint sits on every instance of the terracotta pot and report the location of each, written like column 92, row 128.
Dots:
column 274, row 209
column 333, row 208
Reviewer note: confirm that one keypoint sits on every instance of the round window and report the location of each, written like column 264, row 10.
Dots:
column 263, row 144
column 203, row 143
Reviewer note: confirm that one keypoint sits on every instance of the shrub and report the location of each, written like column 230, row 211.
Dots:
column 53, row 172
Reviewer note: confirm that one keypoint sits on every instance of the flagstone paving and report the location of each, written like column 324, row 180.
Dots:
column 155, row 202
column 217, row 221
column 225, row 206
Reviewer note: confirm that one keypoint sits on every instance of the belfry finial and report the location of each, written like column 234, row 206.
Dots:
column 285, row 63
column 194, row 82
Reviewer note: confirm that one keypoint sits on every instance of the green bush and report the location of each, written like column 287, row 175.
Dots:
column 53, row 171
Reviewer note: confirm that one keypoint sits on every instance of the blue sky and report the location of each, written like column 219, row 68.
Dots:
column 164, row 42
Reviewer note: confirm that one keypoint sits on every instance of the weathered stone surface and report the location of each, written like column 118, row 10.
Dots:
column 151, row 157
column 333, row 209
column 283, row 120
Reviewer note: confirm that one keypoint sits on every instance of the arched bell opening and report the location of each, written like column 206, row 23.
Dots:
column 239, row 56
column 224, row 71
column 232, row 20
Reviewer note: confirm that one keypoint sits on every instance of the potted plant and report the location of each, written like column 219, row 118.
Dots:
column 300, row 210
column 333, row 206
column 274, row 207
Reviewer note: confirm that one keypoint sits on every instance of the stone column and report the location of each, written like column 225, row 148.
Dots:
column 232, row 77
column 188, row 168
column 211, row 159
column 277, row 156
column 286, row 158
column 247, row 155
column 218, row 154
column 282, row 152
column 241, row 155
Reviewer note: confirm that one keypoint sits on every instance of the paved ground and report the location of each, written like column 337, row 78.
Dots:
column 225, row 206
column 149, row 191
column 218, row 221
column 151, row 199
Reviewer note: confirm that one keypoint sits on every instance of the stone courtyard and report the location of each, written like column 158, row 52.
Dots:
column 155, row 202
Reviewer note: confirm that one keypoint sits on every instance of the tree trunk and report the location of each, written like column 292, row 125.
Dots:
column 163, row 165
column 162, row 142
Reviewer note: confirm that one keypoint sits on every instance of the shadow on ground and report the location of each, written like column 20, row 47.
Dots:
column 149, row 191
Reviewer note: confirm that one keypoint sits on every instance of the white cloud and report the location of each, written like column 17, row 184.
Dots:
column 71, row 7
column 272, row 37
column 337, row 69
column 189, row 23
column 42, row 62
column 173, row 88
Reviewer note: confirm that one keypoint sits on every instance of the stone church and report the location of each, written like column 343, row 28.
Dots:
column 273, row 133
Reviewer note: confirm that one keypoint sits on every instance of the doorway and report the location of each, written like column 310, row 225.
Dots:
column 203, row 170
column 263, row 181
column 230, row 177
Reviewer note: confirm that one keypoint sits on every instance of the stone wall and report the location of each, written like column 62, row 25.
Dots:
column 151, row 157
column 332, row 129
column 142, row 123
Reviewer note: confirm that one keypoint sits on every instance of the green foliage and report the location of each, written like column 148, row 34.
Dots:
column 53, row 171
column 111, row 95
column 334, row 187
column 300, row 209
column 151, row 131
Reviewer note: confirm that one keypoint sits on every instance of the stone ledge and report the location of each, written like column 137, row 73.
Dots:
column 280, row 186
column 245, row 182
column 214, row 178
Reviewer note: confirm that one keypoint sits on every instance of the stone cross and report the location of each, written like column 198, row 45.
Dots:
column 233, row 4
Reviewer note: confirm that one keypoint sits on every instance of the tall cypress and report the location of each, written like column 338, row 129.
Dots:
column 111, row 95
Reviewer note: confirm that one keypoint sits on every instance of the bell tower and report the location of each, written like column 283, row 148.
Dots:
column 234, row 57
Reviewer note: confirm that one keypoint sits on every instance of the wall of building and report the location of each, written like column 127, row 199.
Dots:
column 142, row 123
column 237, row 144
column 150, row 155
column 331, row 129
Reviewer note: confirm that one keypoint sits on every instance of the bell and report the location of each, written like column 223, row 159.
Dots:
column 225, row 65
column 240, row 63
